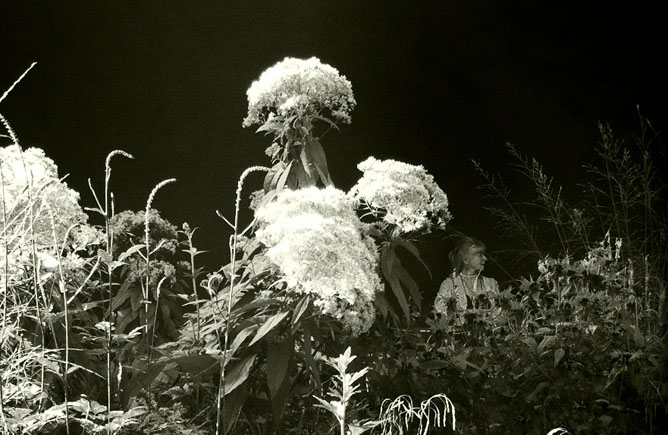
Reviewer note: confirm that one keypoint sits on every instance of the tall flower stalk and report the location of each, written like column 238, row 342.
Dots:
column 220, row 399
column 107, row 212
column 290, row 100
column 147, row 277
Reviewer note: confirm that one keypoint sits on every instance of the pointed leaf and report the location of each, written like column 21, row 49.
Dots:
column 196, row 364
column 238, row 374
column 299, row 310
column 283, row 179
column 410, row 247
column 130, row 251
column 268, row 325
column 241, row 336
column 411, row 285
column 232, row 408
column 401, row 298
column 305, row 162
column 278, row 358
column 271, row 178
column 316, row 155
column 308, row 357
column 558, row 355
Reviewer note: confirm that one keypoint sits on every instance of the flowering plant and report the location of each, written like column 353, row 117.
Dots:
column 36, row 205
column 314, row 237
column 31, row 179
column 299, row 86
column 289, row 100
column 402, row 195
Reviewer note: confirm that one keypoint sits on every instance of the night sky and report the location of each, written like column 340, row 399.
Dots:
column 437, row 83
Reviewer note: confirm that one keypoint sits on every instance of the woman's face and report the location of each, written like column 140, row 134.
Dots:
column 475, row 258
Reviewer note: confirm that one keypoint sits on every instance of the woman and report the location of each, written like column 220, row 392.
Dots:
column 466, row 285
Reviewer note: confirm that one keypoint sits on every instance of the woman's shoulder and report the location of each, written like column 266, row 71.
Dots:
column 448, row 283
column 490, row 282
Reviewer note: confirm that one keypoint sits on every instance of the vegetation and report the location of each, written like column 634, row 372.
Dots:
column 315, row 325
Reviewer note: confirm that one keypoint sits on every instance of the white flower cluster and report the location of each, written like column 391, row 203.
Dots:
column 404, row 195
column 314, row 237
column 31, row 189
column 297, row 86
column 31, row 178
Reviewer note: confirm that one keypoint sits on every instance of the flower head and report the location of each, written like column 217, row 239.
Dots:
column 314, row 237
column 30, row 187
column 295, row 86
column 403, row 195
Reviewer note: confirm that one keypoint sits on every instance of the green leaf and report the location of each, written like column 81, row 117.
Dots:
column 411, row 285
column 238, row 374
column 232, row 407
column 283, row 179
column 196, row 364
column 268, row 325
column 540, row 387
column 304, row 179
column 299, row 310
column 271, row 179
column 434, row 364
column 410, row 247
column 401, row 298
column 122, row 295
column 130, row 251
column 531, row 342
column 558, row 355
column 140, row 380
column 278, row 360
column 241, row 336
column 316, row 155
column 305, row 161
column 308, row 357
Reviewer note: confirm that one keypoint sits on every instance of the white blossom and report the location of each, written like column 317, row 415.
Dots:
column 402, row 194
column 314, row 237
column 37, row 205
column 299, row 86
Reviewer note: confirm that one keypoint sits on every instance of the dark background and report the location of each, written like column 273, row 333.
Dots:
column 438, row 83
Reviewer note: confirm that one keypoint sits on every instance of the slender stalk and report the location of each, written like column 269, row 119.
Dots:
column 146, row 293
column 33, row 249
column 63, row 293
column 17, row 81
column 155, row 319
column 110, row 248
column 5, row 292
column 220, row 402
column 193, row 252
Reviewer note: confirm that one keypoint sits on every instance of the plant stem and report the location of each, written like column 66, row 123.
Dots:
column 110, row 248
column 6, row 291
column 146, row 292
column 233, row 258
column 193, row 282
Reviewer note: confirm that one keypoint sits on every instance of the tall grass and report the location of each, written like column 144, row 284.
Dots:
column 625, row 196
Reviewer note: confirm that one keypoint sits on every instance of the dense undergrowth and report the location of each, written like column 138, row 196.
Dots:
column 316, row 326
